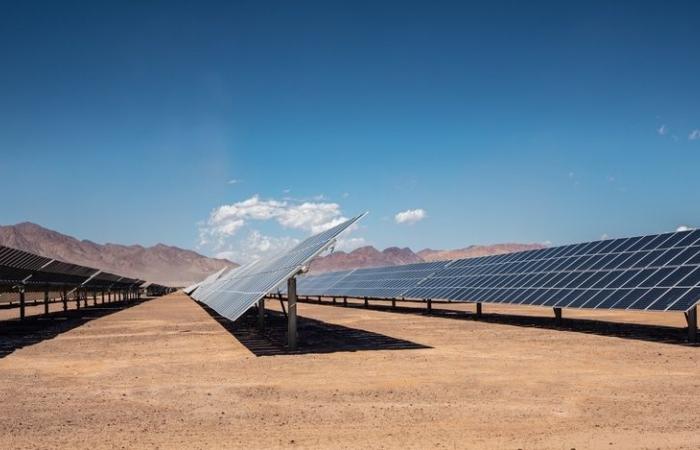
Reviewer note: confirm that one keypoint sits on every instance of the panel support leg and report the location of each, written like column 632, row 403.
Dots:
column 64, row 299
column 692, row 318
column 557, row 316
column 478, row 310
column 46, row 302
column 345, row 301
column 366, row 302
column 292, row 314
column 22, row 305
column 261, row 313
column 77, row 299
column 430, row 306
column 393, row 303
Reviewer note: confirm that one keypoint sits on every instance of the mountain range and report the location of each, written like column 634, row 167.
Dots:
column 163, row 264
column 371, row 257
column 173, row 266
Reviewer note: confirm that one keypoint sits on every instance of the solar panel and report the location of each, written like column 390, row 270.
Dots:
column 190, row 289
column 384, row 282
column 654, row 273
column 235, row 294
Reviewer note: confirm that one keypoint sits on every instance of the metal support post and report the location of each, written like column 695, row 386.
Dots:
column 22, row 305
column 46, row 301
column 366, row 302
column 557, row 316
column 430, row 306
column 77, row 299
column 393, row 303
column 261, row 313
column 345, row 301
column 478, row 309
column 292, row 313
column 692, row 318
column 64, row 299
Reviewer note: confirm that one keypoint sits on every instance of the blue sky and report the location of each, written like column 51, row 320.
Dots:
column 537, row 122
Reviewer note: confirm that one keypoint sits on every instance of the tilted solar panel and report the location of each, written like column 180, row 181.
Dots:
column 235, row 294
column 190, row 289
column 654, row 273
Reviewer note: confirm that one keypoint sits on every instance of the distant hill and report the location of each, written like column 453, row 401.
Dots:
column 475, row 250
column 162, row 264
column 364, row 257
column 371, row 257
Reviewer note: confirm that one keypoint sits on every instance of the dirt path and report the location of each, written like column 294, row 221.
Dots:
column 165, row 374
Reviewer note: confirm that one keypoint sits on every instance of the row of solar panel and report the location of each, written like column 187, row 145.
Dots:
column 18, row 267
column 609, row 246
column 657, row 272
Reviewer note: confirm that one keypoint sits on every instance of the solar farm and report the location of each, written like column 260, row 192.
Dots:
column 585, row 345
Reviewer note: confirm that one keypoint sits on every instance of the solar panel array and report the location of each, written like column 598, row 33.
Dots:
column 238, row 290
column 20, row 268
column 654, row 273
column 382, row 282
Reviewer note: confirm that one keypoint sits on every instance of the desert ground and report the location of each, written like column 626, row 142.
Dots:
column 166, row 373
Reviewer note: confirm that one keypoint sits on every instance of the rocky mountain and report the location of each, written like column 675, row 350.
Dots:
column 171, row 266
column 371, row 257
column 474, row 251
column 364, row 257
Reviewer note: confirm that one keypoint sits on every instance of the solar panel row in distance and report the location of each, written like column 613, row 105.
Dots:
column 235, row 294
column 383, row 282
column 655, row 273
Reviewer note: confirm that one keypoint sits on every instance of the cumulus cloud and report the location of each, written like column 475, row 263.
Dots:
column 350, row 244
column 694, row 135
column 226, row 220
column 231, row 232
column 684, row 228
column 662, row 130
column 257, row 245
column 410, row 216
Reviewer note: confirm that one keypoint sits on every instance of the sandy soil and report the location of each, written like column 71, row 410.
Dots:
column 166, row 374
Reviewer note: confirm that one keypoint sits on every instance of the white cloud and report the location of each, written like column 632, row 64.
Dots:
column 346, row 194
column 255, row 246
column 226, row 220
column 694, row 135
column 684, row 228
column 222, row 233
column 410, row 216
column 662, row 130
column 233, row 181
column 350, row 244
